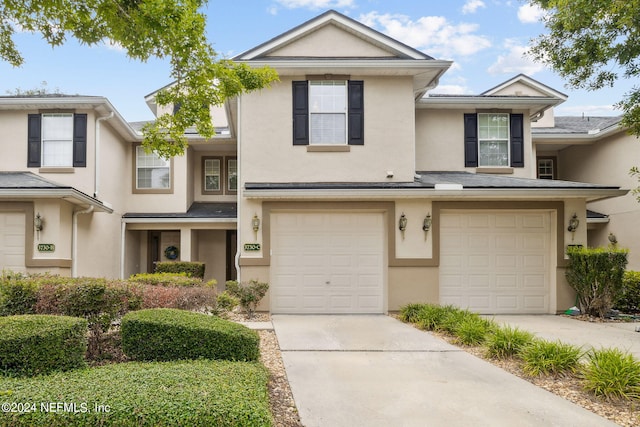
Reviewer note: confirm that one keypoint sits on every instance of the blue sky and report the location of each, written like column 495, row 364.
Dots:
column 486, row 40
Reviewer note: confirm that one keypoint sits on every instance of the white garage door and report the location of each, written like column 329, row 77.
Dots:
column 12, row 230
column 495, row 262
column 327, row 263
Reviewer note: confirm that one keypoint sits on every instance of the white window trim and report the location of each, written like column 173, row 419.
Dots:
column 43, row 162
column 136, row 169
column 345, row 113
column 508, row 140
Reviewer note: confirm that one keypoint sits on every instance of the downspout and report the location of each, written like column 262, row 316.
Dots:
column 74, row 240
column 123, row 229
column 96, row 180
column 239, row 193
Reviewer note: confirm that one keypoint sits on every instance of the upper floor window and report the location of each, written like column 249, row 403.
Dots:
column 328, row 112
column 220, row 175
column 57, row 140
column 546, row 168
column 494, row 140
column 152, row 171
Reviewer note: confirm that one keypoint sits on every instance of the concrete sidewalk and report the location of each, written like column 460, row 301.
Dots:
column 577, row 332
column 376, row 371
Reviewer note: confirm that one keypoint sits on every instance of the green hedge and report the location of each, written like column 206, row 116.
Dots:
column 188, row 393
column 34, row 344
column 596, row 276
column 169, row 334
column 18, row 295
column 166, row 279
column 629, row 299
column 192, row 269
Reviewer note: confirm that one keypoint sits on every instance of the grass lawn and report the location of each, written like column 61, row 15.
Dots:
column 184, row 393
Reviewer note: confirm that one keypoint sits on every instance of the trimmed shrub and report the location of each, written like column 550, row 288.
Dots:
column 410, row 313
column 628, row 300
column 596, row 276
column 193, row 393
column 507, row 342
column 249, row 294
column 184, row 298
column 18, row 295
column 165, row 279
column 612, row 374
column 35, row 344
column 191, row 269
column 168, row 334
column 547, row 357
column 225, row 303
column 474, row 330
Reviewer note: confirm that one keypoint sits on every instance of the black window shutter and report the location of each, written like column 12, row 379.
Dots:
column 517, row 140
column 79, row 140
column 34, row 127
column 356, row 112
column 300, row 113
column 471, row 140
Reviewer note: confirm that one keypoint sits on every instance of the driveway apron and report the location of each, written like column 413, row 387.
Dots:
column 373, row 370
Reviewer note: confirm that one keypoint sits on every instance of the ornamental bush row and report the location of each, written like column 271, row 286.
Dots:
column 33, row 345
column 169, row 334
column 182, row 393
column 610, row 373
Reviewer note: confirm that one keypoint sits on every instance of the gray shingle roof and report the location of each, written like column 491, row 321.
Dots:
column 228, row 210
column 17, row 180
column 578, row 125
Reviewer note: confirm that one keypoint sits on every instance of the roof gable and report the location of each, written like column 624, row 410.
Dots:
column 522, row 85
column 332, row 35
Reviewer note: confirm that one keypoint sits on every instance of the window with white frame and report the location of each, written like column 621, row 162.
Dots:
column 212, row 169
column 546, row 169
column 328, row 112
column 493, row 139
column 152, row 171
column 57, row 140
column 232, row 175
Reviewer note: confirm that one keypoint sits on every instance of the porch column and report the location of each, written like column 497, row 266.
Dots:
column 185, row 244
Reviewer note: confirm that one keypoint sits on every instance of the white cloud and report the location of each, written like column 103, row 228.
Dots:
column 316, row 4
column 434, row 35
column 514, row 61
column 471, row 6
column 530, row 14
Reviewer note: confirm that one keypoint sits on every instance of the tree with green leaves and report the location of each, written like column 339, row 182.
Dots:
column 593, row 43
column 165, row 29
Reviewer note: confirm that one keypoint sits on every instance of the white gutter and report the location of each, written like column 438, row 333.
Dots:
column 96, row 180
column 240, row 192
column 123, row 229
column 71, row 195
column 589, row 194
column 74, row 240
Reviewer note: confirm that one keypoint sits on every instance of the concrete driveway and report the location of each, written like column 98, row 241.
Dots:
column 572, row 331
column 372, row 370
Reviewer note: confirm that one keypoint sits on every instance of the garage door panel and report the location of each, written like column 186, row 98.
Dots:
column 509, row 273
column 12, row 241
column 340, row 261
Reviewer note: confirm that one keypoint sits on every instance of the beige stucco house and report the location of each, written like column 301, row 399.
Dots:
column 346, row 185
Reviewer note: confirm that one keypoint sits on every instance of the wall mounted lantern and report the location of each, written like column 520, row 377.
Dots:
column 255, row 223
column 574, row 222
column 426, row 225
column 37, row 222
column 402, row 224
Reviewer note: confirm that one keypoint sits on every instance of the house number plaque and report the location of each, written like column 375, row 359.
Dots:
column 46, row 247
column 249, row 247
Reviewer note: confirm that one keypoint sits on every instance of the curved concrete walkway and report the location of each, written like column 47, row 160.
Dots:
column 373, row 370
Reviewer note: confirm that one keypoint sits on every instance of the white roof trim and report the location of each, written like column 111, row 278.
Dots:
column 71, row 195
column 332, row 17
column 521, row 78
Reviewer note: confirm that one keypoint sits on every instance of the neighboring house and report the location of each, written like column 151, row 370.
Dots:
column 343, row 185
column 595, row 149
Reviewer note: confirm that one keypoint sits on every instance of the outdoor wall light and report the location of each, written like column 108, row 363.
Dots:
column 426, row 225
column 402, row 224
column 255, row 223
column 573, row 225
column 37, row 222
